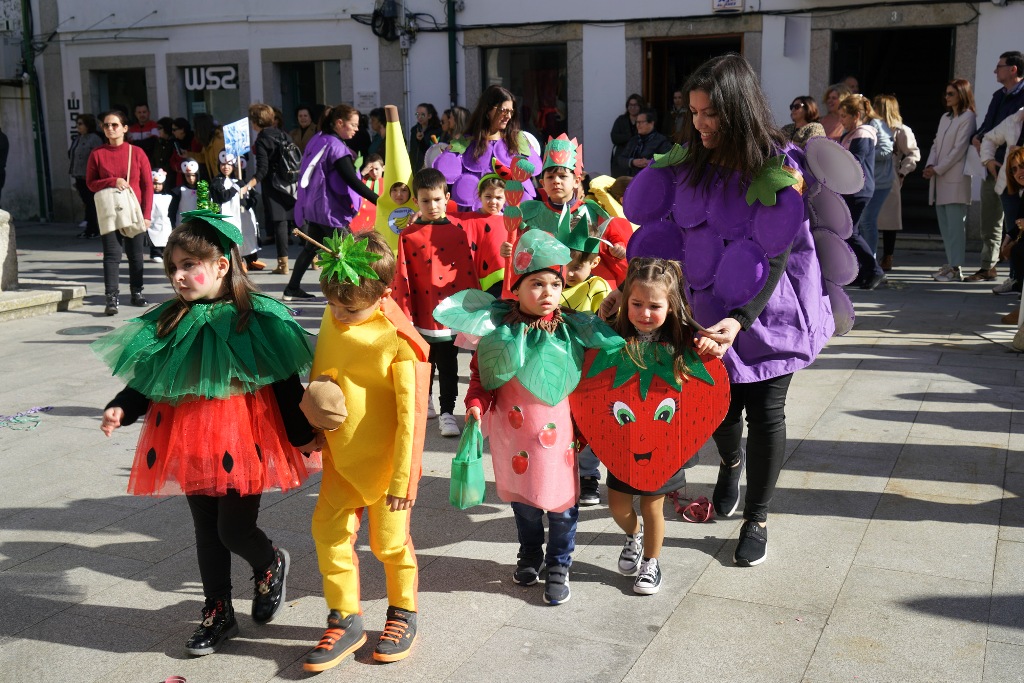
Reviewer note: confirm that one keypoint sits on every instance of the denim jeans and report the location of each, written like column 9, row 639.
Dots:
column 561, row 533
column 588, row 463
column 868, row 226
column 765, row 404
column 867, row 265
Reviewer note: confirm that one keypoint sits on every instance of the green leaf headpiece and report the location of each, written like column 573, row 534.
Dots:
column 347, row 260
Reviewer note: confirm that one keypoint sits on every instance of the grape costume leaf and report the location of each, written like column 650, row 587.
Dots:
column 769, row 180
column 458, row 145
column 675, row 156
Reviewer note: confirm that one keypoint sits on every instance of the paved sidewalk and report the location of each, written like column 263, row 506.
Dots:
column 897, row 533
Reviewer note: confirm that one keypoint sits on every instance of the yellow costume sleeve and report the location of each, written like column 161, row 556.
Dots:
column 411, row 378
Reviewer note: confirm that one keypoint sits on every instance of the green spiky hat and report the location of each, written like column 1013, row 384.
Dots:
column 577, row 237
column 347, row 260
column 538, row 250
column 563, row 152
column 208, row 212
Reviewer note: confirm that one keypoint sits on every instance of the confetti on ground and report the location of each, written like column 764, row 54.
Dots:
column 26, row 419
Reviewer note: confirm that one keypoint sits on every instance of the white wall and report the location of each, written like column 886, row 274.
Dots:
column 785, row 61
column 999, row 30
column 428, row 74
column 604, row 79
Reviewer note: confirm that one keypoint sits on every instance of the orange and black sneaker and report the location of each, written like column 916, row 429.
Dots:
column 399, row 633
column 342, row 638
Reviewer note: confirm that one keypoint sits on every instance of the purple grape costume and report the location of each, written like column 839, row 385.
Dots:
column 463, row 171
column 724, row 234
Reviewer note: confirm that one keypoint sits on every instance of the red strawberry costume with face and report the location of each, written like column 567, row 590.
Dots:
column 642, row 422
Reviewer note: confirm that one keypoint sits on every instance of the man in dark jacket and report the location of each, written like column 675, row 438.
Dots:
column 638, row 152
column 1005, row 101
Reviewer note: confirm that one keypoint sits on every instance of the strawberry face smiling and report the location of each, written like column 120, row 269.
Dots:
column 641, row 422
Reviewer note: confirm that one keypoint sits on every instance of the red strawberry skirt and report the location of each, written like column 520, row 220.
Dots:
column 208, row 446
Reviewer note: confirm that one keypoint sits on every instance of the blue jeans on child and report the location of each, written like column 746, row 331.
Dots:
column 588, row 463
column 561, row 533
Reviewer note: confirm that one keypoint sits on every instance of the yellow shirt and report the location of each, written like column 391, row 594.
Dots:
column 586, row 297
column 385, row 378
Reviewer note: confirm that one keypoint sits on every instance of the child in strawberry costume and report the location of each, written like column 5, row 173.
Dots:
column 528, row 360
column 645, row 437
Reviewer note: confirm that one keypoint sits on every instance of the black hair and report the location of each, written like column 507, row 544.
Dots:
column 1014, row 58
column 428, row 179
column 651, row 114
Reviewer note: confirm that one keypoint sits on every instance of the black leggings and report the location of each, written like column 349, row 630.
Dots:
column 92, row 226
column 224, row 525
column 765, row 403
column 888, row 242
column 309, row 250
column 444, row 356
column 113, row 243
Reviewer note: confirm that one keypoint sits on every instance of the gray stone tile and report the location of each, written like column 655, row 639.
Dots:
column 709, row 639
column 901, row 626
column 951, row 470
column 962, row 422
column 1003, row 663
column 818, row 550
column 516, row 654
column 931, row 535
column 1006, row 617
column 1011, row 515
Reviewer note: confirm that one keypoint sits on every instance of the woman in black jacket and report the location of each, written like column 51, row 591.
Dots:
column 268, row 145
column 623, row 131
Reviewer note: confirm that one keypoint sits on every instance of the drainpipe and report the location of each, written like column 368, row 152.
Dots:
column 38, row 129
column 453, row 78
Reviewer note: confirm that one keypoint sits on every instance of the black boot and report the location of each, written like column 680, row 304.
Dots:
column 111, row 308
column 217, row 626
column 269, row 597
column 138, row 299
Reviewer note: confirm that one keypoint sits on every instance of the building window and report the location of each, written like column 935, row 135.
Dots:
column 536, row 75
column 212, row 90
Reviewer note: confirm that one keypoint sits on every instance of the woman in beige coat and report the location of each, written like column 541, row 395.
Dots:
column 905, row 155
column 950, row 186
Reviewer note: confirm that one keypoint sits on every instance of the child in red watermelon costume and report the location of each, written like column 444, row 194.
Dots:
column 528, row 360
column 435, row 261
column 486, row 231
column 647, row 408
column 562, row 171
column 216, row 372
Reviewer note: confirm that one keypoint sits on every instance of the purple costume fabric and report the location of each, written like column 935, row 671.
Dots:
column 323, row 195
column 724, row 244
column 463, row 171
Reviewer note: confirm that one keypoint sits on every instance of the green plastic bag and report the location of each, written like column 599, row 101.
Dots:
column 467, row 484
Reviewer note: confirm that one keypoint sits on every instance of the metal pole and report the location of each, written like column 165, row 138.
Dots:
column 38, row 130
column 453, row 78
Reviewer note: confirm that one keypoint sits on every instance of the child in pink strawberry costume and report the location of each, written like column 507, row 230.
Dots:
column 529, row 358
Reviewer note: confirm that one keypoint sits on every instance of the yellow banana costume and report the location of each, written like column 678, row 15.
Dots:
column 393, row 218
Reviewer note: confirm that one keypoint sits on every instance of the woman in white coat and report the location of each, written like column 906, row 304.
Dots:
column 950, row 187
column 905, row 156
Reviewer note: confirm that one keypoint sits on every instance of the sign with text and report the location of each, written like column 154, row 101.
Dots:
column 726, row 6
column 211, row 77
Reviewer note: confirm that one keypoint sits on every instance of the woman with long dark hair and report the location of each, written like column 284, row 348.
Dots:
column 760, row 294
column 424, row 133
column 81, row 147
column 114, row 165
column 623, row 130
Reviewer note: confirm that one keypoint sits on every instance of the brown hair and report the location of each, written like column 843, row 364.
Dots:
column 261, row 115
column 367, row 291
column 200, row 240
column 618, row 188
column 811, row 113
column 653, row 272
column 1014, row 158
column 428, row 179
column 964, row 95
column 840, row 89
column 858, row 105
column 332, row 115
column 888, row 109
column 491, row 181
column 479, row 125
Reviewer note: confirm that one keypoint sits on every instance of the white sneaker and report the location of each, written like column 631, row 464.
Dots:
column 1009, row 286
column 951, row 274
column 942, row 271
column 431, row 413
column 448, row 425
column 632, row 553
column 648, row 579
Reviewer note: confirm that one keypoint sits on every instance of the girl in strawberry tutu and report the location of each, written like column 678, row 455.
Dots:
column 215, row 371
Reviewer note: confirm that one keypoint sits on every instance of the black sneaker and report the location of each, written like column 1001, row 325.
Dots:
column 399, row 633
column 138, row 299
column 648, row 579
column 753, row 546
column 528, row 569
column 218, row 625
column 269, row 597
column 342, row 638
column 296, row 294
column 589, row 491
column 632, row 553
column 556, row 589
column 111, row 308
column 726, row 497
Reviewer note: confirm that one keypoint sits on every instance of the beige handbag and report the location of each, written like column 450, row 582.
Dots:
column 119, row 209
